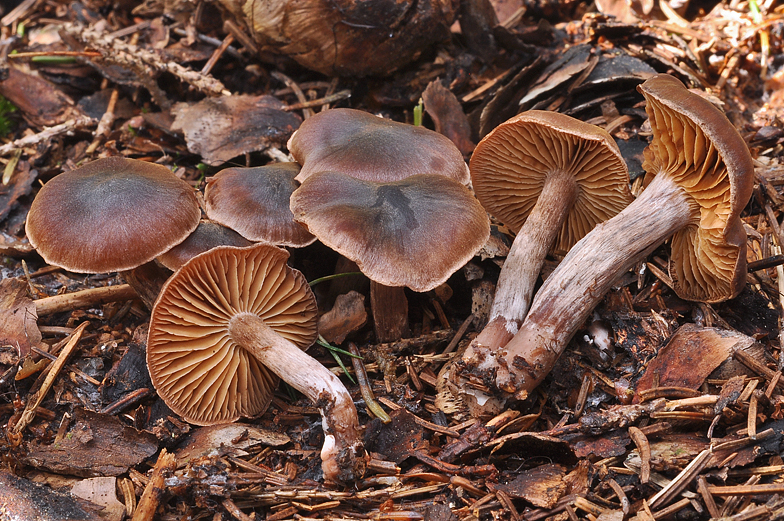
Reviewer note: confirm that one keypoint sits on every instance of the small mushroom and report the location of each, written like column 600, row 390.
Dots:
column 367, row 147
column 254, row 202
column 206, row 236
column 702, row 178
column 226, row 323
column 113, row 214
column 550, row 178
column 415, row 232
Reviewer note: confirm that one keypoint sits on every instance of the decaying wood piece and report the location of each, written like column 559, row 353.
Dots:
column 156, row 487
column 85, row 298
column 71, row 125
column 390, row 312
column 54, row 370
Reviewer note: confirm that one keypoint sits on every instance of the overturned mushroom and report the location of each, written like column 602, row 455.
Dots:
column 254, row 202
column 550, row 178
column 223, row 324
column 415, row 232
column 702, row 177
column 367, row 147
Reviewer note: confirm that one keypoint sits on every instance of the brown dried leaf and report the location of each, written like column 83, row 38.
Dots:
column 95, row 445
column 231, row 438
column 220, row 129
column 690, row 355
column 346, row 316
column 542, row 486
column 41, row 103
column 19, row 185
column 448, row 116
column 18, row 317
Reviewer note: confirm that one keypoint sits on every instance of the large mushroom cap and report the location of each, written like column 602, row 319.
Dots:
column 197, row 369
column 113, row 214
column 696, row 145
column 367, row 147
column 415, row 232
column 510, row 166
column 206, row 236
column 254, row 202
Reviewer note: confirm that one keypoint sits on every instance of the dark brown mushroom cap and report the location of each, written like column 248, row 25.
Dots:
column 696, row 145
column 113, row 214
column 510, row 166
column 197, row 369
column 415, row 232
column 206, row 236
column 367, row 147
column 254, row 202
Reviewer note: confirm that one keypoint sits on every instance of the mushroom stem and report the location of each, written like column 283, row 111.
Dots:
column 516, row 282
column 389, row 306
column 343, row 456
column 572, row 291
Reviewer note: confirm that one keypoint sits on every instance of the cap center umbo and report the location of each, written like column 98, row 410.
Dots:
column 392, row 197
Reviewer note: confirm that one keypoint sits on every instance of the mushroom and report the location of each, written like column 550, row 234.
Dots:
column 550, row 178
column 113, row 214
column 414, row 232
column 227, row 321
column 206, row 236
column 254, row 202
column 371, row 148
column 701, row 179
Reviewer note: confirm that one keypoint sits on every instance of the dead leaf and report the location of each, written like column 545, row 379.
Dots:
column 226, row 439
column 101, row 491
column 541, row 486
column 95, row 445
column 41, row 103
column 448, row 116
column 219, row 129
column 18, row 318
column 346, row 316
column 19, row 185
column 690, row 355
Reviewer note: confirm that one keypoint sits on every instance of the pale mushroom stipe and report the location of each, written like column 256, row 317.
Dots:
column 550, row 178
column 702, row 177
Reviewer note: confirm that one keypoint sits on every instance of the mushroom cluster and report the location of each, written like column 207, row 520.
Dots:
column 234, row 317
column 699, row 176
column 392, row 198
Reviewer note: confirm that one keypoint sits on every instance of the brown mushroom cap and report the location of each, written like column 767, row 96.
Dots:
column 367, row 147
column 510, row 166
column 696, row 145
column 415, row 232
column 197, row 369
column 254, row 202
column 206, row 236
column 112, row 214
